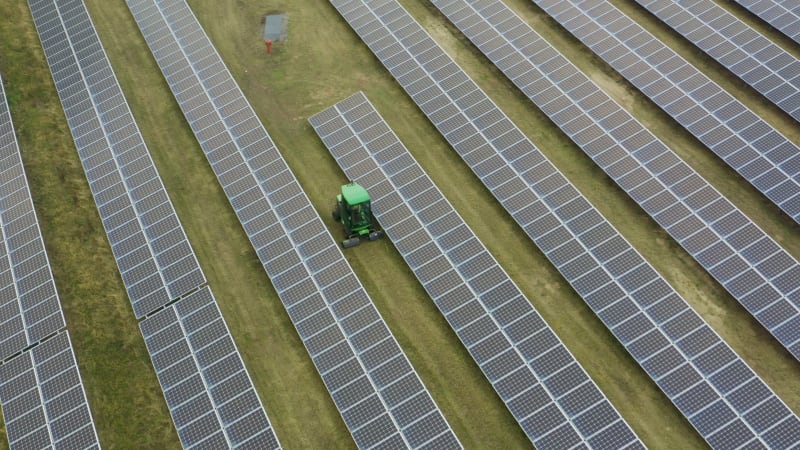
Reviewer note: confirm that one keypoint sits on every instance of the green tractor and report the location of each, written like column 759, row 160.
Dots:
column 354, row 211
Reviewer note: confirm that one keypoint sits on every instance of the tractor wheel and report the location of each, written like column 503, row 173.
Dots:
column 336, row 215
column 352, row 242
column 375, row 235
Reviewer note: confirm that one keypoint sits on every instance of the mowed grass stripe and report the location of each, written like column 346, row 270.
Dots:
column 322, row 63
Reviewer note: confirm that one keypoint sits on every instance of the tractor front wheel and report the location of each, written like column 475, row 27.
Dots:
column 336, row 215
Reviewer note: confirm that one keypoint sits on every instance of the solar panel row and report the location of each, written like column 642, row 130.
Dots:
column 41, row 390
column 377, row 391
column 756, row 60
column 755, row 270
column 153, row 255
column 762, row 155
column 783, row 15
column 719, row 394
column 29, row 305
column 545, row 388
column 44, row 405
column 207, row 387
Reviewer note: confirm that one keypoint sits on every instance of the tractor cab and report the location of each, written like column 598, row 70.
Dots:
column 354, row 211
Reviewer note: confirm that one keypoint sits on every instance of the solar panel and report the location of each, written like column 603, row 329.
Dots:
column 377, row 391
column 762, row 155
column 761, row 275
column 783, row 15
column 690, row 363
column 150, row 246
column 527, row 364
column 753, row 58
column 208, row 390
column 44, row 404
column 29, row 306
column 153, row 255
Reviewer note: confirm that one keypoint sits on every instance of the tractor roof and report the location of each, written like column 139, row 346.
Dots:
column 354, row 194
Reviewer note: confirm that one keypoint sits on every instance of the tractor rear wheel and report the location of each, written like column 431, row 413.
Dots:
column 336, row 215
column 352, row 242
column 375, row 235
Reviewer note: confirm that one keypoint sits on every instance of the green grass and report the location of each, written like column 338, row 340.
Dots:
column 321, row 63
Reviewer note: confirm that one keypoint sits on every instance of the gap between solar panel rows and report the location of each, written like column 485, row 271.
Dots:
column 41, row 391
column 748, row 263
column 156, row 262
column 544, row 387
column 703, row 377
column 208, row 391
column 30, row 309
column 761, row 154
column 379, row 395
column 783, row 15
column 748, row 54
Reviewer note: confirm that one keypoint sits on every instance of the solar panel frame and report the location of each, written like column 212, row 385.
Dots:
column 31, row 311
column 203, row 377
column 44, row 402
column 688, row 96
column 748, row 54
column 114, row 156
column 702, row 209
column 780, row 14
column 154, row 257
column 346, row 121
column 278, row 215
column 597, row 287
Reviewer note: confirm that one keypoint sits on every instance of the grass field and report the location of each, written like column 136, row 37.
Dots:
column 321, row 63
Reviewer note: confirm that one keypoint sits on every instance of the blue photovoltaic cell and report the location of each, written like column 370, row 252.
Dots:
column 761, row 154
column 679, row 351
column 29, row 306
column 783, row 15
column 751, row 56
column 379, row 394
column 530, row 368
column 756, row 271
column 44, row 404
column 208, row 390
column 156, row 261
column 153, row 255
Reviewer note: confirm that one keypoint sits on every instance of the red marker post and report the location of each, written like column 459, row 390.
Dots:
column 268, row 43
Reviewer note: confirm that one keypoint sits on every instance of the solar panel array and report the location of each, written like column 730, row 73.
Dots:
column 153, row 255
column 155, row 259
column 783, row 15
column 719, row 394
column 755, row 270
column 204, row 381
column 44, row 405
column 40, row 388
column 756, row 60
column 544, row 387
column 29, row 305
column 762, row 155
column 377, row 391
